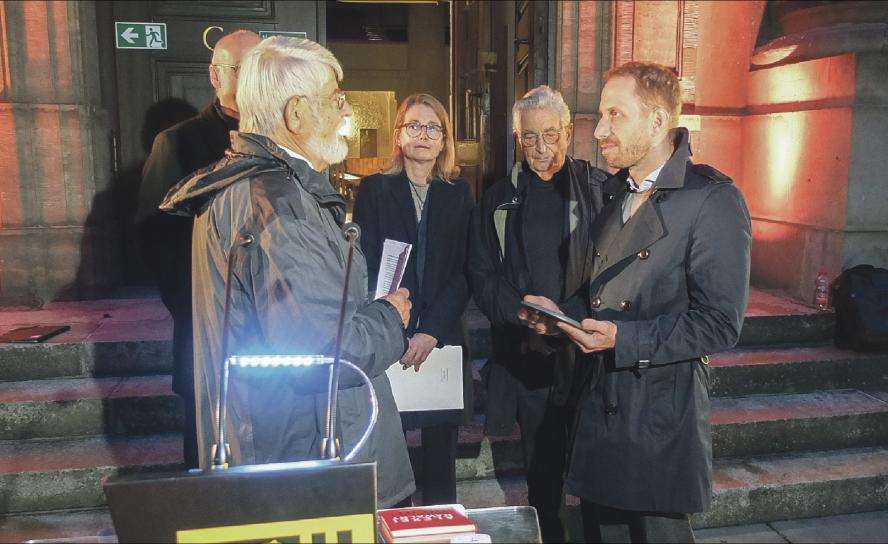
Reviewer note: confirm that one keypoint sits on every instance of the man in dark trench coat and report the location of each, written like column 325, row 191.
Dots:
column 669, row 286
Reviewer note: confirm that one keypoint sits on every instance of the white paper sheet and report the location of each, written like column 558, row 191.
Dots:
column 391, row 267
column 437, row 386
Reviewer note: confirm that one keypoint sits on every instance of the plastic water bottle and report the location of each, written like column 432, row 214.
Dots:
column 821, row 291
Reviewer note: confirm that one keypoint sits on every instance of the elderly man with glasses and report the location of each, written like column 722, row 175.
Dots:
column 269, row 210
column 530, row 235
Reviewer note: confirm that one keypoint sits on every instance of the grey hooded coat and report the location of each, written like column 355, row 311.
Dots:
column 285, row 297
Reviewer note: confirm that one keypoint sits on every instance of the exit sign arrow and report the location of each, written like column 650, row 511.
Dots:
column 129, row 34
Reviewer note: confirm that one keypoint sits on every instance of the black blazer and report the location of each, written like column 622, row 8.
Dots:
column 384, row 209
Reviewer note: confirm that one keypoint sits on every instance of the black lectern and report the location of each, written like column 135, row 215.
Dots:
column 310, row 501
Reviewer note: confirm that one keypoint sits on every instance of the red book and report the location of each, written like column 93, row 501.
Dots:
column 424, row 523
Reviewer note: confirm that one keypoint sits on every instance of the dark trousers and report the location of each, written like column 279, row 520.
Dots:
column 439, row 463
column 544, row 436
column 612, row 525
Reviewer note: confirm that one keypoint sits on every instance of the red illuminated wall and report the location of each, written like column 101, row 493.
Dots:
column 796, row 168
column 53, row 153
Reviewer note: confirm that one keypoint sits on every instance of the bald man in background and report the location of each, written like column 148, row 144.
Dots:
column 166, row 239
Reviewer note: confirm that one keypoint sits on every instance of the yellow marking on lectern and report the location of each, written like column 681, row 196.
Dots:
column 361, row 527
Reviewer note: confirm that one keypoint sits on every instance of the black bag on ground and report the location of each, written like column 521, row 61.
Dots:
column 860, row 297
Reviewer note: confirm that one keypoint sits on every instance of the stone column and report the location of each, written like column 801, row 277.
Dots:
column 818, row 96
column 55, row 168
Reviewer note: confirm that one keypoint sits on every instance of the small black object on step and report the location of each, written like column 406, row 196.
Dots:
column 860, row 297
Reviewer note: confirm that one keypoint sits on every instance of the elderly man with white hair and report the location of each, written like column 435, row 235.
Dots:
column 286, row 285
column 530, row 235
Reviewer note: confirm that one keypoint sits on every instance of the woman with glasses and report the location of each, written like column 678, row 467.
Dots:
column 419, row 200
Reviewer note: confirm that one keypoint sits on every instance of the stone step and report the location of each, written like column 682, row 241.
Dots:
column 753, row 490
column 88, row 406
column 798, row 486
column 746, row 426
column 774, row 370
column 76, row 525
column 40, row 476
column 768, row 330
column 21, row 362
column 44, row 475
column 771, row 424
column 146, row 404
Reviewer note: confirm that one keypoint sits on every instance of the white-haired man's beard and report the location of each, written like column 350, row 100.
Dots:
column 331, row 148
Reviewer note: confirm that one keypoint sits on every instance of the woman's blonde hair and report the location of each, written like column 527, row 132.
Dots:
column 445, row 165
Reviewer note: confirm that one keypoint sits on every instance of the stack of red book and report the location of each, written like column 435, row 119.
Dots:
column 437, row 523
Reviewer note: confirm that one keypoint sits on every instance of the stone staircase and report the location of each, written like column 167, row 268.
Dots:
column 800, row 429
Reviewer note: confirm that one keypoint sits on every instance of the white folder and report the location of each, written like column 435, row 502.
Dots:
column 437, row 386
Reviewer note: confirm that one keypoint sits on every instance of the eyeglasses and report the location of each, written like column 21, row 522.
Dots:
column 414, row 129
column 530, row 139
column 338, row 97
column 234, row 67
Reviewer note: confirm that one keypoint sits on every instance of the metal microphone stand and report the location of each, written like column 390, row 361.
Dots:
column 221, row 451
column 330, row 447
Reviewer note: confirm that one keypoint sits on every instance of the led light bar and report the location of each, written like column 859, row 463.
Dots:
column 278, row 360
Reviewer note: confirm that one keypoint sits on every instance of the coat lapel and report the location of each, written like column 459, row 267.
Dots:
column 399, row 190
column 642, row 230
column 608, row 225
column 616, row 241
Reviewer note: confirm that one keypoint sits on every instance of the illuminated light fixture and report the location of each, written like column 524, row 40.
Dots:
column 260, row 363
column 345, row 129
column 279, row 360
column 773, row 56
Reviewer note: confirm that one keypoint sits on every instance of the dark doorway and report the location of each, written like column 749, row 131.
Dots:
column 500, row 50
column 138, row 80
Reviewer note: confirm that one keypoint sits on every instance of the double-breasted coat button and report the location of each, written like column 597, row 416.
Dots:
column 610, row 408
column 644, row 253
column 596, row 302
column 625, row 305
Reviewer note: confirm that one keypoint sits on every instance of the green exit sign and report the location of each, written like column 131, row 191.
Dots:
column 268, row 33
column 141, row 35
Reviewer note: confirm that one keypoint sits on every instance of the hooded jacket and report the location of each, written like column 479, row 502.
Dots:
column 285, row 298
